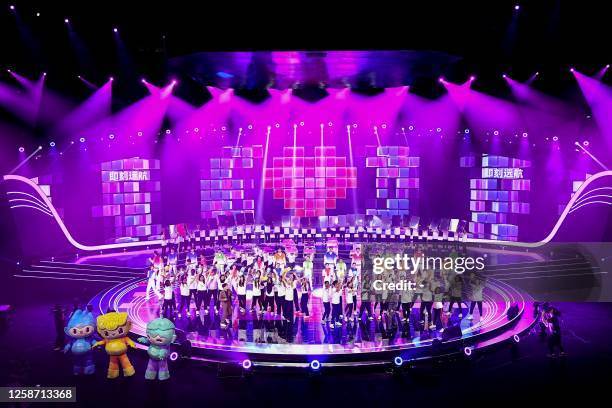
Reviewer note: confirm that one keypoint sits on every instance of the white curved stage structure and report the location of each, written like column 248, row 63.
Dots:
column 580, row 199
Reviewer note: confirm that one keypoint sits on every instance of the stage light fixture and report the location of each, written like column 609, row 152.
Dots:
column 277, row 125
column 196, row 130
column 517, row 7
column 250, row 127
column 525, row 134
column 66, row 21
column 315, row 365
column 330, row 124
column 572, row 69
column 21, row 149
column 467, row 351
column 37, row 14
column 168, row 131
column 398, row 361
column 504, row 76
column 111, row 136
column 516, row 338
column 466, row 131
column 496, row 132
column 438, row 130
column 9, row 71
column 410, row 127
column 144, row 81
column 472, row 78
column 354, row 125
column 111, row 79
column 441, row 79
column 384, row 126
column 537, row 73
column 555, row 138
column 82, row 140
column 223, row 128
column 586, row 143
column 247, row 364
column 52, row 144
column 301, row 123
column 139, row 133
column 174, row 356
column 115, row 30
column 12, row 7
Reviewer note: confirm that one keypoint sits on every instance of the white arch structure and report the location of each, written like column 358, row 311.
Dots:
column 53, row 212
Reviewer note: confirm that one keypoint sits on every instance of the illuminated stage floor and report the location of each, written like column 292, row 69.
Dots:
column 268, row 338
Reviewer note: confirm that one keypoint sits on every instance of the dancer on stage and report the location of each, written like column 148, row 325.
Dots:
column 304, row 297
column 326, row 299
column 225, row 300
column 152, row 283
column 336, row 304
column 477, row 285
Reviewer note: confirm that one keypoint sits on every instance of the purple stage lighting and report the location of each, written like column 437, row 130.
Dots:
column 467, row 351
column 504, row 76
column 398, row 361
column 472, row 78
column 21, row 149
column 555, row 138
column 82, row 140
column 516, row 338
column 174, row 356
column 572, row 69
column 585, row 143
column 247, row 364
column 441, row 79
column 52, row 144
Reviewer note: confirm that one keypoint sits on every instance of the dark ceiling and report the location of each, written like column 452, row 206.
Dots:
column 160, row 41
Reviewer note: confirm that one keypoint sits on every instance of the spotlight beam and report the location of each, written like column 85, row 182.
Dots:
column 595, row 159
column 25, row 160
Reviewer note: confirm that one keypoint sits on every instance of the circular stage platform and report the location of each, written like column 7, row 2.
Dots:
column 268, row 340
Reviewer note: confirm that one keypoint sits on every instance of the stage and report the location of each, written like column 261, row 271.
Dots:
column 267, row 340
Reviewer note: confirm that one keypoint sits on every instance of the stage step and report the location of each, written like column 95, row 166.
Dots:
column 50, row 270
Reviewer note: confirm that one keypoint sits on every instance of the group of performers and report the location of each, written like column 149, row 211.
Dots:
column 279, row 287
